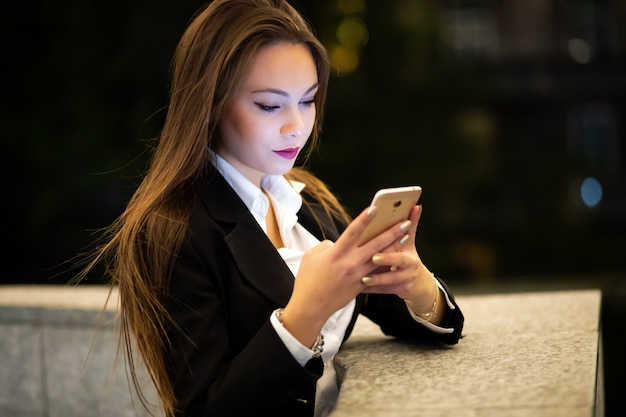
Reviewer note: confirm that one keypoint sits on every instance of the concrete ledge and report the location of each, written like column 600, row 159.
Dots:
column 525, row 354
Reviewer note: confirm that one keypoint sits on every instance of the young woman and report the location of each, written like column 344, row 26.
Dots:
column 239, row 275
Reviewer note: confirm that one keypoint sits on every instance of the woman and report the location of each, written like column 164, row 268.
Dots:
column 229, row 281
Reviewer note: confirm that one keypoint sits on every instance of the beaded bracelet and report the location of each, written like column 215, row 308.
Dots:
column 318, row 346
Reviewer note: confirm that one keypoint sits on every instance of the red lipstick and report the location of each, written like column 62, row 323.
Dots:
column 288, row 153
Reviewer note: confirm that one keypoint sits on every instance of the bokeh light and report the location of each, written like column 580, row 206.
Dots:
column 591, row 192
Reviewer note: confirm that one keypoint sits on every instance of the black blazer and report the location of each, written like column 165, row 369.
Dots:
column 225, row 358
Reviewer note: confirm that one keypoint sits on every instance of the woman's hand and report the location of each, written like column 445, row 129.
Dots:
column 330, row 275
column 405, row 274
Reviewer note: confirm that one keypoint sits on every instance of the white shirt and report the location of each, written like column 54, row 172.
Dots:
column 286, row 201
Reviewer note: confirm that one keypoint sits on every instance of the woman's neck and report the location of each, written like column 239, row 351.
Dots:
column 271, row 225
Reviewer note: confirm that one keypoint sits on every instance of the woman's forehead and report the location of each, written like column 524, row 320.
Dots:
column 282, row 66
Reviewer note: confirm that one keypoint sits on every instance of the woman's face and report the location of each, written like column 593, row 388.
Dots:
column 271, row 116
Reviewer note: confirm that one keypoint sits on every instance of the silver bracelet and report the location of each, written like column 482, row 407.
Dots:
column 318, row 346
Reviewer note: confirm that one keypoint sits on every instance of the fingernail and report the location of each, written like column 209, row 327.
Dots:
column 367, row 280
column 371, row 211
column 405, row 225
column 377, row 259
column 404, row 239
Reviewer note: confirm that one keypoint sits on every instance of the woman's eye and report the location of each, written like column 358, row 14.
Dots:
column 308, row 103
column 266, row 108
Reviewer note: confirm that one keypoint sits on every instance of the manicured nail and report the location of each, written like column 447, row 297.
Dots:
column 377, row 259
column 405, row 225
column 367, row 280
column 404, row 239
column 371, row 211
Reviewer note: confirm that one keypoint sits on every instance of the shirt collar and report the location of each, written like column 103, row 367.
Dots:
column 287, row 193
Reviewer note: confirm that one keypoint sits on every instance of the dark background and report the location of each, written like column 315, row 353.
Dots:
column 498, row 109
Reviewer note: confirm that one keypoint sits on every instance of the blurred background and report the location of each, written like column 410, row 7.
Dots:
column 510, row 115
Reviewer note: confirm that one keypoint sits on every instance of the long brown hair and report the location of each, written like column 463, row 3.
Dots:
column 138, row 249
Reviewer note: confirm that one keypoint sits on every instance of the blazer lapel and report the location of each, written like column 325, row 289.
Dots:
column 254, row 254
column 258, row 261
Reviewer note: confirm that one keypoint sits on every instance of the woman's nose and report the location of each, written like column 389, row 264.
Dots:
column 294, row 125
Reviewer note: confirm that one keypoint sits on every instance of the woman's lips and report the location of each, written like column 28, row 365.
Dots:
column 288, row 153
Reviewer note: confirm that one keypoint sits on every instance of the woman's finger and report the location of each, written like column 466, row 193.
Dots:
column 354, row 230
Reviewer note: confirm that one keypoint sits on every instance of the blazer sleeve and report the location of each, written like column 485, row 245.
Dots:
column 211, row 374
column 391, row 314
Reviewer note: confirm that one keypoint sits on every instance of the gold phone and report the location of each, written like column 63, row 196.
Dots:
column 393, row 206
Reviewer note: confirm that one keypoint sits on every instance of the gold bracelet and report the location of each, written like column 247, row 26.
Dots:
column 434, row 295
column 433, row 311
column 429, row 315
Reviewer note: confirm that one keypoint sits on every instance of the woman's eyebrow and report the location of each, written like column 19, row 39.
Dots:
column 284, row 93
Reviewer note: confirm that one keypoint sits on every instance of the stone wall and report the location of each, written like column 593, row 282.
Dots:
column 58, row 355
column 525, row 354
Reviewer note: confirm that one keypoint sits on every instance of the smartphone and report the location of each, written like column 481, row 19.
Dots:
column 394, row 205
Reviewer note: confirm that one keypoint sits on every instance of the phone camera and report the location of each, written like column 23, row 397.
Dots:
column 397, row 203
